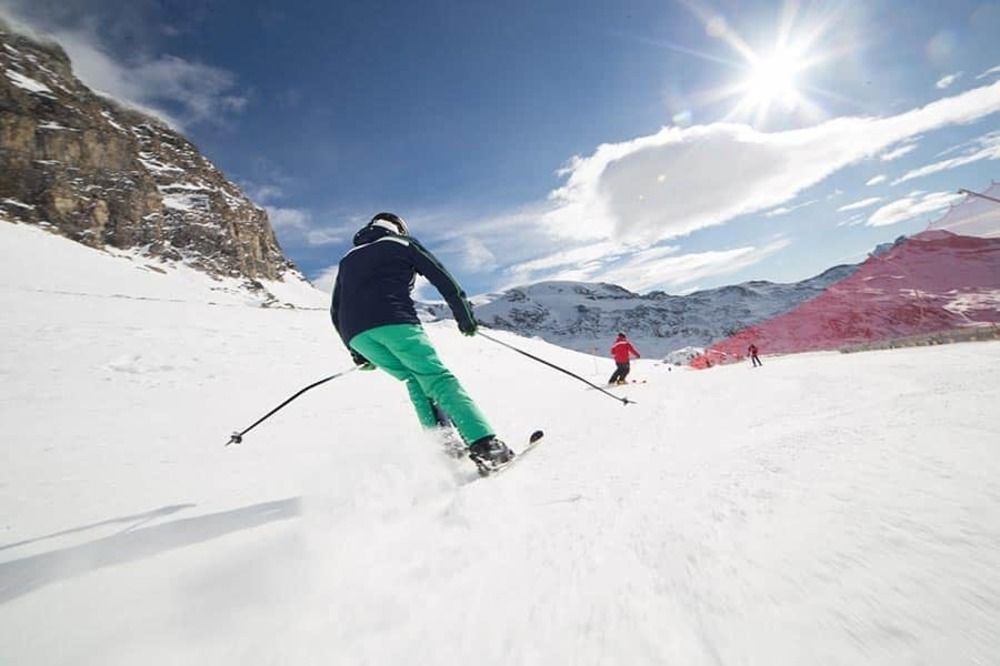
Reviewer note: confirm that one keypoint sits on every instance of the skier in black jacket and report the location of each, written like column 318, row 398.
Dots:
column 373, row 312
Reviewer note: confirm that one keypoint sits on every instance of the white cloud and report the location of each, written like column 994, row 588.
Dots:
column 647, row 271
column 852, row 221
column 262, row 194
column 661, row 267
column 876, row 180
column 857, row 205
column 325, row 278
column 896, row 153
column 477, row 241
column 296, row 224
column 678, row 180
column 177, row 91
column 912, row 206
column 986, row 147
column 288, row 219
column 323, row 236
column 947, row 80
column 476, row 256
column 602, row 252
column 785, row 210
column 990, row 72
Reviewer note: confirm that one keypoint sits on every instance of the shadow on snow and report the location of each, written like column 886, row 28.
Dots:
column 19, row 577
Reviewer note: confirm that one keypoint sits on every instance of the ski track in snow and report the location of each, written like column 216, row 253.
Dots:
column 823, row 509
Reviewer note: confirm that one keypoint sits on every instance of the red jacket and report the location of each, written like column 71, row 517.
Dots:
column 622, row 349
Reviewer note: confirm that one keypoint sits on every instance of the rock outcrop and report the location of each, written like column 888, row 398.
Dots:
column 90, row 169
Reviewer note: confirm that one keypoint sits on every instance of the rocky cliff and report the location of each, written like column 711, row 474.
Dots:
column 85, row 167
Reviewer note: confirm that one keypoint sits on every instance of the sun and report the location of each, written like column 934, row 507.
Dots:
column 773, row 79
column 771, row 86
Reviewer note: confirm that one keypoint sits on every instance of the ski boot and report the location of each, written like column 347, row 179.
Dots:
column 489, row 454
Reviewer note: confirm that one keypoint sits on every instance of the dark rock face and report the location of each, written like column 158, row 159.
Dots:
column 89, row 169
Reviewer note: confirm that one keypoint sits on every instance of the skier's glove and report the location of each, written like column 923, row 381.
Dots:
column 468, row 327
column 361, row 361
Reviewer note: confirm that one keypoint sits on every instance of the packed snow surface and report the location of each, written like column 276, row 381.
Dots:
column 822, row 509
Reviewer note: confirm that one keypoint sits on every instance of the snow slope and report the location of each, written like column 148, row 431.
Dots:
column 823, row 509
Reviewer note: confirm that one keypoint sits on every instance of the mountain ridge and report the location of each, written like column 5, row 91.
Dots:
column 586, row 316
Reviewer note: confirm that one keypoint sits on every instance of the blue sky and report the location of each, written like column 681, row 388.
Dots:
column 658, row 145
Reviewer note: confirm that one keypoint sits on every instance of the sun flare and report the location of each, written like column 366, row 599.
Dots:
column 774, row 79
column 771, row 86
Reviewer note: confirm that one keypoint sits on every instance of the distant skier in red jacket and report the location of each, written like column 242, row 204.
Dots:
column 754, row 359
column 622, row 351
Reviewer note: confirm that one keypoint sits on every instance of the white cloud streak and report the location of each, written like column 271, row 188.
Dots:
column 785, row 210
column 912, row 206
column 603, row 252
column 881, row 178
column 986, row 148
column 947, row 80
column 858, row 205
column 896, row 153
column 990, row 72
column 646, row 271
column 678, row 180
column 656, row 268
column 323, row 237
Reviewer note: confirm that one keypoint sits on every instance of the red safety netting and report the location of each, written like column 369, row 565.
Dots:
column 931, row 282
column 974, row 215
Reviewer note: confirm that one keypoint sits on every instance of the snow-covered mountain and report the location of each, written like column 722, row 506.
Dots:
column 81, row 165
column 585, row 316
column 826, row 508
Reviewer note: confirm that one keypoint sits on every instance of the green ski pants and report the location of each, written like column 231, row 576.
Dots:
column 404, row 351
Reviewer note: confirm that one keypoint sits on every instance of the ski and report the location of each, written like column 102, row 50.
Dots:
column 533, row 441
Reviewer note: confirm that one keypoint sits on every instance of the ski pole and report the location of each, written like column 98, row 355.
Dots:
column 237, row 436
column 623, row 400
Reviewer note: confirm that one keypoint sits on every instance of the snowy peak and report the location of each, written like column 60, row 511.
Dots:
column 80, row 165
column 586, row 316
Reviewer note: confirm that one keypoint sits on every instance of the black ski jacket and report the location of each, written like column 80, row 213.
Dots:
column 375, row 281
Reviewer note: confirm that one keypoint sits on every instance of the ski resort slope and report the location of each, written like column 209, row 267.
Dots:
column 822, row 509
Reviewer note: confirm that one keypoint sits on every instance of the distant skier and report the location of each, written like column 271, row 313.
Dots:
column 754, row 359
column 373, row 312
column 622, row 351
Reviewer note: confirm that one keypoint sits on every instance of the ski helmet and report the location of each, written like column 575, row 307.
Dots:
column 390, row 222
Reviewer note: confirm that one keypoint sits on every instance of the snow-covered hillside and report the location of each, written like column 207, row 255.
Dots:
column 36, row 262
column 823, row 509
